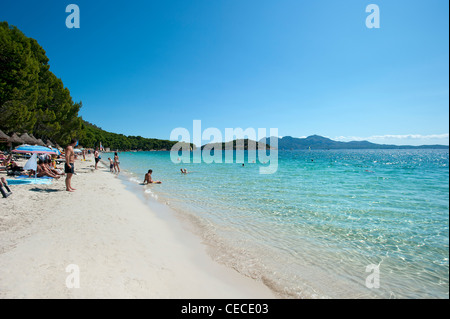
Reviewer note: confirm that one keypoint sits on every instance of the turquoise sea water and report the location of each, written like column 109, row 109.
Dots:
column 312, row 228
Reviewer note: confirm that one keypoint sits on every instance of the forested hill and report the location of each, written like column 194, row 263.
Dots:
column 95, row 135
column 33, row 100
column 317, row 142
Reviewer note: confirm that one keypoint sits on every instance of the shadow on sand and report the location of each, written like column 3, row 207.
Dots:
column 40, row 190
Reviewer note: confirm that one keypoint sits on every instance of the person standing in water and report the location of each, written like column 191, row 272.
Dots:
column 69, row 167
column 116, row 162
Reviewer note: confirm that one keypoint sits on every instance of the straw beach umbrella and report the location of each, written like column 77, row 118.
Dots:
column 3, row 137
column 28, row 139
column 49, row 143
column 40, row 142
column 14, row 139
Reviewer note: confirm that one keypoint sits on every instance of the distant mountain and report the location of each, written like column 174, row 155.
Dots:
column 242, row 144
column 316, row 142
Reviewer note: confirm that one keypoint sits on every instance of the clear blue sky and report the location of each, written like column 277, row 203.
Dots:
column 304, row 67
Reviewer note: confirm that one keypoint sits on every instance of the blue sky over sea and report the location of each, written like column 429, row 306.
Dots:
column 304, row 67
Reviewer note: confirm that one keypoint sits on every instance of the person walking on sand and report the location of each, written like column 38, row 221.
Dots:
column 148, row 178
column 69, row 167
column 97, row 157
column 116, row 162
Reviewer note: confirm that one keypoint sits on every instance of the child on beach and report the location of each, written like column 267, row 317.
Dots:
column 148, row 178
column 111, row 164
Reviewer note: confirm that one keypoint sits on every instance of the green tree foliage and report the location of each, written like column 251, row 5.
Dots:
column 95, row 135
column 34, row 100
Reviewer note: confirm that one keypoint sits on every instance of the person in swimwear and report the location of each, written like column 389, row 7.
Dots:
column 96, row 157
column 148, row 178
column 42, row 170
column 69, row 167
column 116, row 162
column 49, row 167
column 111, row 164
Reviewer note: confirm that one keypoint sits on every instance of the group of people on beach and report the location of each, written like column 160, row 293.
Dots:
column 114, row 164
column 8, row 164
column 46, row 167
column 70, row 158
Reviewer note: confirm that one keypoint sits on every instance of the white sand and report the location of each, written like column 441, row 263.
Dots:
column 122, row 249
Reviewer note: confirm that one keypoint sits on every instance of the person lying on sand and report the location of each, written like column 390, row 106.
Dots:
column 148, row 178
column 42, row 170
column 48, row 165
column 4, row 183
column 6, row 160
column 11, row 165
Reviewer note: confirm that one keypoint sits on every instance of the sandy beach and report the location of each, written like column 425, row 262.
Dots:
column 120, row 246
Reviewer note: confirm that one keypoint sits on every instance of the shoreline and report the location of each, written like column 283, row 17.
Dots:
column 122, row 247
column 334, row 266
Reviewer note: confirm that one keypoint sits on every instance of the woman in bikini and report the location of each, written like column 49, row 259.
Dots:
column 116, row 163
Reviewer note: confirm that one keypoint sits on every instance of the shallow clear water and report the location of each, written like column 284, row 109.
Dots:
column 312, row 228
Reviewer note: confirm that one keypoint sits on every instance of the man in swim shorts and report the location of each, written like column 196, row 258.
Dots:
column 69, row 167
column 97, row 157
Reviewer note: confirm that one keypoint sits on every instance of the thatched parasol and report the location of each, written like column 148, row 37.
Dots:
column 3, row 137
column 40, row 142
column 36, row 140
column 28, row 139
column 15, row 139
column 49, row 143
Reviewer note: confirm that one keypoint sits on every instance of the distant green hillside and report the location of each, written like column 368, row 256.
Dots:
column 243, row 144
column 94, row 136
column 316, row 142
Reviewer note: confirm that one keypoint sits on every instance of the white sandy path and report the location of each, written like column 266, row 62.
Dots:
column 123, row 250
